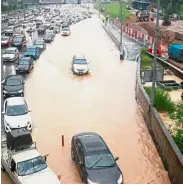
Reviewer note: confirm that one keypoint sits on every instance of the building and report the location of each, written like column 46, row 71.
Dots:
column 141, row 4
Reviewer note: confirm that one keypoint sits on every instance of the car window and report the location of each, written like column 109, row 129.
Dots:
column 99, row 160
column 80, row 150
column 16, row 110
column 13, row 82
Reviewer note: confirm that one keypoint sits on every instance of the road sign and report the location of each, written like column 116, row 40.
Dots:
column 148, row 75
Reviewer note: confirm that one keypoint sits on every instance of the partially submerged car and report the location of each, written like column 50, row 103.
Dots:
column 11, row 54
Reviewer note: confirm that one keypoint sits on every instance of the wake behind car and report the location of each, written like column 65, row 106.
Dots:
column 40, row 44
column 13, row 85
column 94, row 160
column 11, row 54
column 19, row 41
column 6, row 41
column 65, row 31
column 25, row 65
column 79, row 65
column 32, row 51
column 16, row 114
column 48, row 38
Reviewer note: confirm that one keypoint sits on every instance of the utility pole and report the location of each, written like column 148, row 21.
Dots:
column 155, row 54
column 99, row 8
column 24, row 10
column 121, row 33
column 17, row 10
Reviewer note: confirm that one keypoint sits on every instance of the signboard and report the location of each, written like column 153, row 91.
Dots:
column 148, row 75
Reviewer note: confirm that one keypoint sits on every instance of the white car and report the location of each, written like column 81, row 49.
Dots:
column 31, row 26
column 80, row 65
column 16, row 114
column 11, row 54
column 65, row 31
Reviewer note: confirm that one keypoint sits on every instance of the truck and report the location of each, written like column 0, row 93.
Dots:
column 22, row 161
column 175, row 52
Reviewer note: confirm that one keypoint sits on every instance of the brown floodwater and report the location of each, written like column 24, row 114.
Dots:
column 101, row 102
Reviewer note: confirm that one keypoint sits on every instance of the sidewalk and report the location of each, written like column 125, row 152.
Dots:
column 131, row 47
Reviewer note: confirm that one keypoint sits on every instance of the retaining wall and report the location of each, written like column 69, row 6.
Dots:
column 168, row 150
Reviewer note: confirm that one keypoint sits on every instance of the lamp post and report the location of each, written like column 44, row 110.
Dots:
column 155, row 54
column 121, row 32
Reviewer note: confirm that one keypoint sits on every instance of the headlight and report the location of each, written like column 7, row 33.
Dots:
column 90, row 182
column 7, row 124
column 120, row 180
column 20, row 91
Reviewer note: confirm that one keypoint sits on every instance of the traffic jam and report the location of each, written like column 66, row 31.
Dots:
column 20, row 157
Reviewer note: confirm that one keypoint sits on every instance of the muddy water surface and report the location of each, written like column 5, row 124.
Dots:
column 102, row 102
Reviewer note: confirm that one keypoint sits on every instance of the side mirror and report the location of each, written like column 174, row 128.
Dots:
column 45, row 158
column 116, row 158
column 30, row 110
column 3, row 112
column 80, row 162
column 12, row 169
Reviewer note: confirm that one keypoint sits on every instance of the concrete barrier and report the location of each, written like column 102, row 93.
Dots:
column 168, row 150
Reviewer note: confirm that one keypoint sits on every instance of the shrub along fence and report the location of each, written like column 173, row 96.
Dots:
column 168, row 150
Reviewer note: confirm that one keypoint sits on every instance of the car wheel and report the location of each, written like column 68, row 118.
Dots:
column 72, row 155
column 2, row 168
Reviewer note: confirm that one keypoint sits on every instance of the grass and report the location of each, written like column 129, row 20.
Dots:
column 113, row 10
column 178, row 138
column 163, row 102
column 181, row 12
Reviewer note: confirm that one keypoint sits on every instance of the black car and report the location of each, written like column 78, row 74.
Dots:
column 13, row 85
column 94, row 160
column 25, row 65
column 19, row 41
column 40, row 44
column 41, row 29
column 48, row 38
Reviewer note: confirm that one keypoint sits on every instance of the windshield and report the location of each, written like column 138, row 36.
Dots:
column 16, row 110
column 10, row 52
column 39, row 43
column 17, row 39
column 13, row 82
column 31, row 166
column 65, row 29
column 31, row 49
column 99, row 160
column 4, row 38
column 24, row 62
column 80, row 61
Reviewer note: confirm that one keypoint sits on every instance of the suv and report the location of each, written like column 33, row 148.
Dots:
column 79, row 65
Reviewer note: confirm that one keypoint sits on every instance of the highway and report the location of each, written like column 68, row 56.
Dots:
column 102, row 102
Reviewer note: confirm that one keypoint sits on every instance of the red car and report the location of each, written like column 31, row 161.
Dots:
column 6, row 41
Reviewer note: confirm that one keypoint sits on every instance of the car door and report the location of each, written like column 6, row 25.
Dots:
column 31, row 63
column 79, row 157
column 16, row 53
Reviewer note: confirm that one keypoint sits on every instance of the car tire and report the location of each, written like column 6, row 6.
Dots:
column 2, row 168
column 72, row 155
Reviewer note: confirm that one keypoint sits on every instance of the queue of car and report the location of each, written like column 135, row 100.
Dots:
column 94, row 160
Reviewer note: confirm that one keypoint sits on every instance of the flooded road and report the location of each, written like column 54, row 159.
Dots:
column 101, row 102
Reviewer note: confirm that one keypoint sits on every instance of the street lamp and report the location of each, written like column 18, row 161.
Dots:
column 121, row 33
column 155, row 54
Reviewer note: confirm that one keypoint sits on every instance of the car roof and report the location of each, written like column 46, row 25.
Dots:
column 79, row 56
column 31, row 47
column 26, row 155
column 15, row 101
column 11, row 48
column 92, row 142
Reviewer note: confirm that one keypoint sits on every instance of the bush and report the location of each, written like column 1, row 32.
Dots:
column 163, row 102
column 146, row 60
column 178, row 114
column 178, row 138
